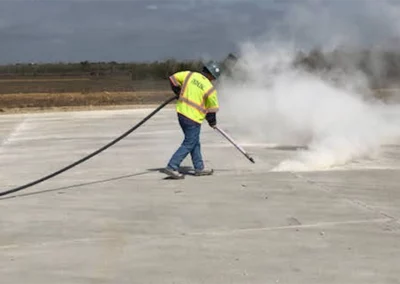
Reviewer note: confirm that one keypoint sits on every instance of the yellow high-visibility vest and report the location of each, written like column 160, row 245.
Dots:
column 198, row 96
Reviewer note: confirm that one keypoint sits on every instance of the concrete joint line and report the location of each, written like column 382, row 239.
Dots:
column 14, row 132
column 291, row 227
column 355, row 202
column 212, row 233
column 62, row 242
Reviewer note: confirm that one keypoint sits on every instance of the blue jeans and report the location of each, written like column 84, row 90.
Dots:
column 190, row 145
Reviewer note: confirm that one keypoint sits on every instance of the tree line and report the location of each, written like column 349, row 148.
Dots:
column 137, row 71
column 381, row 67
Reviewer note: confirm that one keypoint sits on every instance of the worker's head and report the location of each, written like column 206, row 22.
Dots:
column 212, row 70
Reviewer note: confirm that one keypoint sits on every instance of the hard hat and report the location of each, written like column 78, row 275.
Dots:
column 214, row 68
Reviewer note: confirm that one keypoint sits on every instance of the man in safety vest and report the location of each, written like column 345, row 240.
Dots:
column 197, row 101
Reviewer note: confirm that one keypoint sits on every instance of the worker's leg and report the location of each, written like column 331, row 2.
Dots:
column 198, row 162
column 191, row 131
column 197, row 158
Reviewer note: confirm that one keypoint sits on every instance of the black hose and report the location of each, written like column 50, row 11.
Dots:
column 92, row 154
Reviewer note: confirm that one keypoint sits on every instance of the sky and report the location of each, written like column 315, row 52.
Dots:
column 147, row 30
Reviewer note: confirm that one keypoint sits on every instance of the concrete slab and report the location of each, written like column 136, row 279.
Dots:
column 114, row 220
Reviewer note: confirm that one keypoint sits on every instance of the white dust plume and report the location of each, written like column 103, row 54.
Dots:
column 334, row 115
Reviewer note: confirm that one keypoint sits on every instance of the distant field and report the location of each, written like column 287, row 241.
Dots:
column 60, row 84
column 43, row 80
column 26, row 93
column 23, row 102
column 49, row 92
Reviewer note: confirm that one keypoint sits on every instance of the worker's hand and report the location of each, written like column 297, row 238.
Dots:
column 175, row 89
column 211, row 119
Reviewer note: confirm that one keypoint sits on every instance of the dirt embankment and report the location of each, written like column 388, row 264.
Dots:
column 67, row 101
column 55, row 94
column 42, row 94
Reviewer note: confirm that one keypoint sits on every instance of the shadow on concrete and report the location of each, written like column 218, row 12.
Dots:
column 76, row 185
column 183, row 170
column 288, row 148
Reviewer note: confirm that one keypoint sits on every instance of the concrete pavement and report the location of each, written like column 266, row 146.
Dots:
column 114, row 219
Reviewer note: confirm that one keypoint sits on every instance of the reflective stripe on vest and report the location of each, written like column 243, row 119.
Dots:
column 173, row 80
column 183, row 99
column 185, row 83
column 214, row 109
column 207, row 94
column 193, row 104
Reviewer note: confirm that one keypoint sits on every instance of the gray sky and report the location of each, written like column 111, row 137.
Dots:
column 141, row 30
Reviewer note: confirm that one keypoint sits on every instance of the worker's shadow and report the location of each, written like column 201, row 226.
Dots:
column 71, row 187
column 288, row 147
column 183, row 170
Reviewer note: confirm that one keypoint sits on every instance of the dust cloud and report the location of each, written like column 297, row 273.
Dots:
column 334, row 115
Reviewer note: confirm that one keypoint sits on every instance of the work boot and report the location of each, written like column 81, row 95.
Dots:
column 172, row 173
column 203, row 172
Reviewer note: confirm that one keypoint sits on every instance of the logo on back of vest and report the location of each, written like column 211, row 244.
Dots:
column 198, row 84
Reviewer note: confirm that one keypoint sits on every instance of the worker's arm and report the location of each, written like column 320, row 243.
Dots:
column 176, row 82
column 212, row 107
column 176, row 89
column 211, row 118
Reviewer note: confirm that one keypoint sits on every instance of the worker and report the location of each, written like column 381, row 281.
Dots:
column 196, row 101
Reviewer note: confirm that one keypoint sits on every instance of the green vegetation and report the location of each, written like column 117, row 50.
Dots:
column 381, row 67
column 136, row 71
column 88, row 84
column 89, row 77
